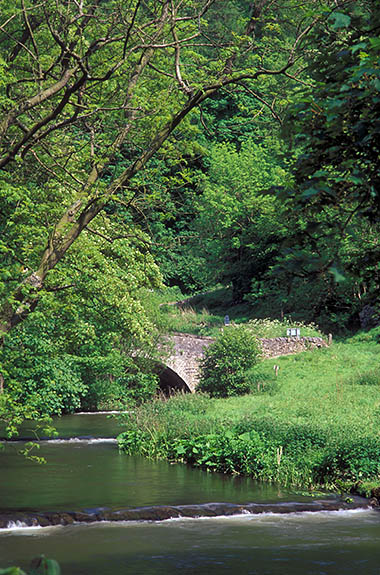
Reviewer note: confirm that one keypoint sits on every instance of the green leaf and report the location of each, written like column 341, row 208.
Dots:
column 338, row 275
column 359, row 46
column 340, row 20
column 44, row 566
column 310, row 192
column 245, row 436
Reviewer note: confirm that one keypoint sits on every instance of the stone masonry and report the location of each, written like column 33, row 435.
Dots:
column 185, row 351
column 277, row 346
column 185, row 354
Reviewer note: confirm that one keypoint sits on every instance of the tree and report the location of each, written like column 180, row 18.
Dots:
column 334, row 122
column 89, row 93
column 87, row 343
column 337, row 122
column 240, row 228
column 81, row 81
column 226, row 362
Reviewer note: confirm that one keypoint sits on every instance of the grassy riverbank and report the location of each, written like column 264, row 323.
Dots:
column 315, row 424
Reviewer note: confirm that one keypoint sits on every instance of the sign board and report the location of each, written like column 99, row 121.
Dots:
column 293, row 332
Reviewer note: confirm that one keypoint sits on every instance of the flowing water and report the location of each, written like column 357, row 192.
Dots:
column 89, row 474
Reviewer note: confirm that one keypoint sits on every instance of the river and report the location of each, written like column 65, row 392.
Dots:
column 85, row 472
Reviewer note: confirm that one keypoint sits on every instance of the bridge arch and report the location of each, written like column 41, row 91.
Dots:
column 182, row 353
column 171, row 381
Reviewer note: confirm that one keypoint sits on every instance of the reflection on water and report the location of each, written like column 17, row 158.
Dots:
column 82, row 474
column 92, row 473
column 100, row 424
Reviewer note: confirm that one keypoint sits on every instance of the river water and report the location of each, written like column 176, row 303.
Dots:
column 89, row 473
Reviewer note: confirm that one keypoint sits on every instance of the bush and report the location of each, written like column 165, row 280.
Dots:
column 373, row 335
column 226, row 362
column 352, row 459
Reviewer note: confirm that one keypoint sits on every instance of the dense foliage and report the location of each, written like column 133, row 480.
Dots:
column 191, row 142
column 226, row 363
column 337, row 124
column 240, row 228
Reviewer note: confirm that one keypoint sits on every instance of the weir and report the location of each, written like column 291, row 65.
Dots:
column 165, row 512
column 98, row 511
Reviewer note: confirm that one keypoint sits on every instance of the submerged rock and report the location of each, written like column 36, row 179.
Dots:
column 162, row 512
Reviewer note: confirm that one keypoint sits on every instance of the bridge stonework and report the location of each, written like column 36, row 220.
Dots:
column 185, row 351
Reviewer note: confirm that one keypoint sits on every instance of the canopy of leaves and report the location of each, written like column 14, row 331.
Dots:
column 224, row 367
column 337, row 122
column 239, row 226
column 102, row 106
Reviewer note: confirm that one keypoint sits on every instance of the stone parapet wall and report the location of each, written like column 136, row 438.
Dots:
column 276, row 346
column 185, row 351
column 189, row 343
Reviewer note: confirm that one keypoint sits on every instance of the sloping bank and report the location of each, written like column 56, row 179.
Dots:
column 314, row 425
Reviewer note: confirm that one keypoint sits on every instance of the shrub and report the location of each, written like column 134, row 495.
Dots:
column 373, row 336
column 352, row 459
column 224, row 367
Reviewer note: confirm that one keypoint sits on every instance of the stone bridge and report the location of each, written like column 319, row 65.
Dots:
column 183, row 353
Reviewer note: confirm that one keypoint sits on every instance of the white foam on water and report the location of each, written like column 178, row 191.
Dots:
column 68, row 441
column 339, row 511
column 81, row 440
column 16, row 525
column 245, row 516
column 19, row 526
column 103, row 440
column 100, row 412
column 296, row 515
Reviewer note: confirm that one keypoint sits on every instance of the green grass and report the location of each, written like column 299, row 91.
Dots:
column 204, row 314
column 316, row 423
column 319, row 385
column 187, row 320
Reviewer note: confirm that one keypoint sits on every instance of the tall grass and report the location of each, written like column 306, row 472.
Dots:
column 318, row 425
column 187, row 319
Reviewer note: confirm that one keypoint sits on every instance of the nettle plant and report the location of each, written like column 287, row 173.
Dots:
column 227, row 361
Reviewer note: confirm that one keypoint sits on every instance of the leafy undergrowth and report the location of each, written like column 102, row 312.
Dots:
column 315, row 424
column 202, row 314
column 193, row 316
